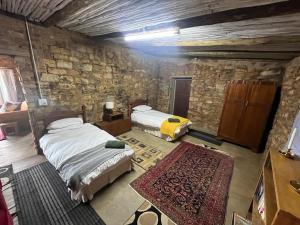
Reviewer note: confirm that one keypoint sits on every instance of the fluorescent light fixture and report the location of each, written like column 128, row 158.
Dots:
column 152, row 34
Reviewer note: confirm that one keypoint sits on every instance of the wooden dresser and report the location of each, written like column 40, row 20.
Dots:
column 281, row 202
column 115, row 127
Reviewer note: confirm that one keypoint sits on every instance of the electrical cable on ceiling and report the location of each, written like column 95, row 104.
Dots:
column 33, row 59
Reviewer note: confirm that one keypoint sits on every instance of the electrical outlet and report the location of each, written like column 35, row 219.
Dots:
column 42, row 102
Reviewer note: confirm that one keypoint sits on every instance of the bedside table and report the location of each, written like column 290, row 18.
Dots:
column 113, row 116
column 115, row 127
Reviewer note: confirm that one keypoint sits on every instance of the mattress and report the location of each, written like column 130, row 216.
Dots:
column 151, row 120
column 60, row 147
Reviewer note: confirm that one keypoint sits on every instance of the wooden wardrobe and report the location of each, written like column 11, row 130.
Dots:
column 246, row 112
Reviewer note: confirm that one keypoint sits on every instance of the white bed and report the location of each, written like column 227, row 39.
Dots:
column 59, row 147
column 151, row 120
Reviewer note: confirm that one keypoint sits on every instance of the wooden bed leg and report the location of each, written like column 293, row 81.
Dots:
column 83, row 108
column 132, row 166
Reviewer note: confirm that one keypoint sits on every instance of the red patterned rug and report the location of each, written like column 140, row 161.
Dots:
column 190, row 185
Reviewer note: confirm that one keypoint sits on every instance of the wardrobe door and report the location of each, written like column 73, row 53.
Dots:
column 255, row 116
column 235, row 98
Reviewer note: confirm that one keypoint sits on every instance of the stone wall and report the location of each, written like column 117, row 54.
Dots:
column 209, row 78
column 81, row 73
column 75, row 70
column 288, row 107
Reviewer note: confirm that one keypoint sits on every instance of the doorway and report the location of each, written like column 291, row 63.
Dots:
column 16, row 139
column 181, row 95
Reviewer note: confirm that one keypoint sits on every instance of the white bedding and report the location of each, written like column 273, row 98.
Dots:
column 61, row 146
column 152, row 118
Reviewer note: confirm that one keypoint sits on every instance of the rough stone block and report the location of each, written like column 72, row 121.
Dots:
column 74, row 59
column 66, row 79
column 84, row 81
column 73, row 72
column 49, row 62
column 56, row 71
column 97, row 75
column 46, row 77
column 55, row 49
column 65, row 51
column 87, row 67
column 60, row 56
column 64, row 64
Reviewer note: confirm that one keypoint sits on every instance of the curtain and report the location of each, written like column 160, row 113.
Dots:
column 8, row 88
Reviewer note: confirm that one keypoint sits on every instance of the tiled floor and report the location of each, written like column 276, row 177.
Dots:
column 118, row 201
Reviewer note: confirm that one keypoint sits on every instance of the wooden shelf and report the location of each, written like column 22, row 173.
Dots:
column 282, row 203
column 270, row 195
column 284, row 170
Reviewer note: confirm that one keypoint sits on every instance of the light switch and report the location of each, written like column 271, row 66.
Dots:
column 42, row 102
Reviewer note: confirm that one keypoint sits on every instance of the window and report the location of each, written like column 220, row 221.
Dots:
column 8, row 87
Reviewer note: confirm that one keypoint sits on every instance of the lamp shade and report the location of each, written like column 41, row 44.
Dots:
column 109, row 105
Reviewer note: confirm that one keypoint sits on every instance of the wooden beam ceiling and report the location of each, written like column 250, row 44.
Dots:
column 34, row 10
column 276, row 26
column 68, row 10
column 276, row 35
column 206, row 23
column 109, row 16
column 233, row 15
column 208, row 28
column 219, row 52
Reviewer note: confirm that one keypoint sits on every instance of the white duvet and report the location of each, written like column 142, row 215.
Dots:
column 151, row 118
column 61, row 146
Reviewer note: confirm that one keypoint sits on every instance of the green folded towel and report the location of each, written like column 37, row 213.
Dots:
column 173, row 120
column 115, row 144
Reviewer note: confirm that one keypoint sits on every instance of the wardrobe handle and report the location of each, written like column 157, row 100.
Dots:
column 246, row 104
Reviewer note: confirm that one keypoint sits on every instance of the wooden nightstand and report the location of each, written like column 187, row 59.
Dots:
column 113, row 116
column 115, row 127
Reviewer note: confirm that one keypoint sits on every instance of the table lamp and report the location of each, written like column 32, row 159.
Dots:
column 288, row 153
column 109, row 104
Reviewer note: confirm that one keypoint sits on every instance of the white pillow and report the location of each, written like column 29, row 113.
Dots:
column 142, row 108
column 71, row 127
column 58, row 124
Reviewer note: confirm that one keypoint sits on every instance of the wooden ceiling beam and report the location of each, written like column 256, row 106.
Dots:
column 35, row 10
column 254, row 12
column 17, row 16
column 266, row 41
column 277, row 44
column 241, row 48
column 230, row 55
column 244, row 55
